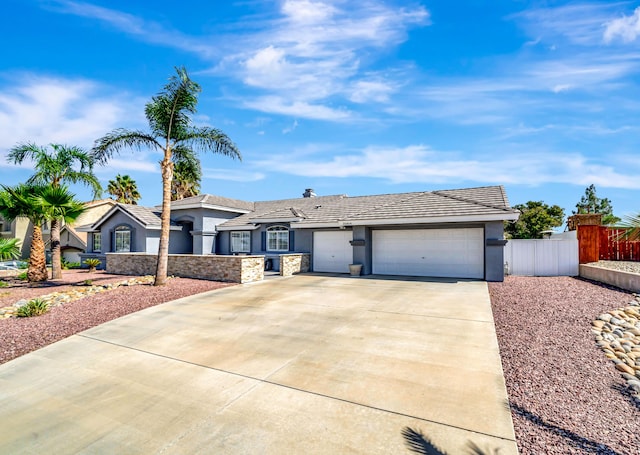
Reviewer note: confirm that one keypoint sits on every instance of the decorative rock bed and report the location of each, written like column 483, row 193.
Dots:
column 60, row 298
column 617, row 333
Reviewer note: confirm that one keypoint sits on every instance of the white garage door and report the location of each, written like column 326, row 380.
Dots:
column 332, row 251
column 455, row 253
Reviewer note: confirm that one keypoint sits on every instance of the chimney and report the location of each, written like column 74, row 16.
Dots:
column 308, row 193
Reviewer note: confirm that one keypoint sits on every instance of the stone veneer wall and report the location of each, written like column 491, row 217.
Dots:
column 235, row 269
column 290, row 264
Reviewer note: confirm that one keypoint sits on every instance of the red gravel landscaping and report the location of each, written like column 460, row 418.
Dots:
column 566, row 396
column 19, row 336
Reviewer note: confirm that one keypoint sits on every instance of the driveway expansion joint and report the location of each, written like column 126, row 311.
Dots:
column 265, row 381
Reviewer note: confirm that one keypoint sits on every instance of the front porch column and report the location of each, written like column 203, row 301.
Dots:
column 204, row 242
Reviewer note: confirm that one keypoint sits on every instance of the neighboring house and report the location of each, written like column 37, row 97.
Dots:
column 449, row 233
column 21, row 229
column 73, row 239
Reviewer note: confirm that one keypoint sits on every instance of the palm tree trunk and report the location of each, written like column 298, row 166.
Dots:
column 56, row 263
column 37, row 270
column 163, row 249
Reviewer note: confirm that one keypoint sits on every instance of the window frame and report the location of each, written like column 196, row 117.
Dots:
column 244, row 238
column 121, row 229
column 97, row 240
column 279, row 235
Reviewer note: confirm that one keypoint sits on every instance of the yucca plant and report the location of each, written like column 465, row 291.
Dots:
column 34, row 307
column 92, row 263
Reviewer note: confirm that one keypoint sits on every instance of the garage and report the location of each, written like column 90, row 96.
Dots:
column 449, row 253
column 332, row 251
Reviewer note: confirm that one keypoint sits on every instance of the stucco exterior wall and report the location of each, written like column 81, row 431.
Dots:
column 493, row 254
column 235, row 269
column 138, row 233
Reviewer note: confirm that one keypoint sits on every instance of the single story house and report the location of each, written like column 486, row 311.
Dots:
column 449, row 233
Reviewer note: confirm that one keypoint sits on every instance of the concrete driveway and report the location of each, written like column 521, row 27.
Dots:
column 308, row 364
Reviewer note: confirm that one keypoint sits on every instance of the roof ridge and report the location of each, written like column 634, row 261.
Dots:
column 413, row 195
column 463, row 199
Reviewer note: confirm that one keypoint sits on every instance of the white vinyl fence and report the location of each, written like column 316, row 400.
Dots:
column 542, row 257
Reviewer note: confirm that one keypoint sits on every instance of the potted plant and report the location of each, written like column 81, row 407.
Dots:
column 355, row 269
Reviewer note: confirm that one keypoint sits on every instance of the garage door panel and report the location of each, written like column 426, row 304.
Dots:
column 456, row 253
column 332, row 251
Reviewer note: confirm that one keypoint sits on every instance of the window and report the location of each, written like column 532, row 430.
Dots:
column 240, row 242
column 277, row 238
column 123, row 239
column 97, row 242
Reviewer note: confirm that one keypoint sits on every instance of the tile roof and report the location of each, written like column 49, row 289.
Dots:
column 484, row 201
column 210, row 199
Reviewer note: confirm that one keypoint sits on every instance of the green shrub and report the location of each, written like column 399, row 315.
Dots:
column 3, row 284
column 92, row 263
column 22, row 276
column 23, row 265
column 35, row 307
column 87, row 282
column 74, row 265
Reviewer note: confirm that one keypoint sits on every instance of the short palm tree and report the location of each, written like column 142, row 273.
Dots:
column 124, row 189
column 9, row 249
column 172, row 133
column 61, row 164
column 20, row 201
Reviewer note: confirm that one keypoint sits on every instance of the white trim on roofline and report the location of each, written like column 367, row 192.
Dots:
column 276, row 220
column 403, row 221
column 209, row 206
column 242, row 227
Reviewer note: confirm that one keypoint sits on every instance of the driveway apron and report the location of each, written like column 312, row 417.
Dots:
column 307, row 364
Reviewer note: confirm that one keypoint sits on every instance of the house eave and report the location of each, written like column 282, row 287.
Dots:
column 409, row 221
column 244, row 227
column 275, row 220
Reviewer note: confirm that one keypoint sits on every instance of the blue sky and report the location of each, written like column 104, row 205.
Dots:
column 344, row 97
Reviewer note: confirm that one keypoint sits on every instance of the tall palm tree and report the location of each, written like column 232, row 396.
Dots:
column 20, row 201
column 62, row 164
column 187, row 174
column 124, row 188
column 172, row 133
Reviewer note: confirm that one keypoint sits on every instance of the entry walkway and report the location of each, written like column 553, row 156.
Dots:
column 307, row 364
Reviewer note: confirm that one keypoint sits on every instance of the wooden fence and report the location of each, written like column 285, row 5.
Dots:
column 605, row 244
column 614, row 248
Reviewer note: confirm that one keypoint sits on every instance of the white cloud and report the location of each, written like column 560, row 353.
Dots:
column 627, row 28
column 232, row 175
column 307, row 12
column 278, row 105
column 365, row 91
column 144, row 30
column 420, row 164
column 54, row 110
column 290, row 129
column 576, row 23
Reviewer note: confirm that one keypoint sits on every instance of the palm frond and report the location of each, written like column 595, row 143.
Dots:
column 632, row 225
column 23, row 151
column 169, row 111
column 122, row 139
column 9, row 249
column 207, row 139
column 59, row 203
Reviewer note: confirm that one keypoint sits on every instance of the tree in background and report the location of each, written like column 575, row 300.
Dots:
column 62, row 164
column 20, row 201
column 591, row 203
column 535, row 217
column 173, row 133
column 187, row 174
column 124, row 189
